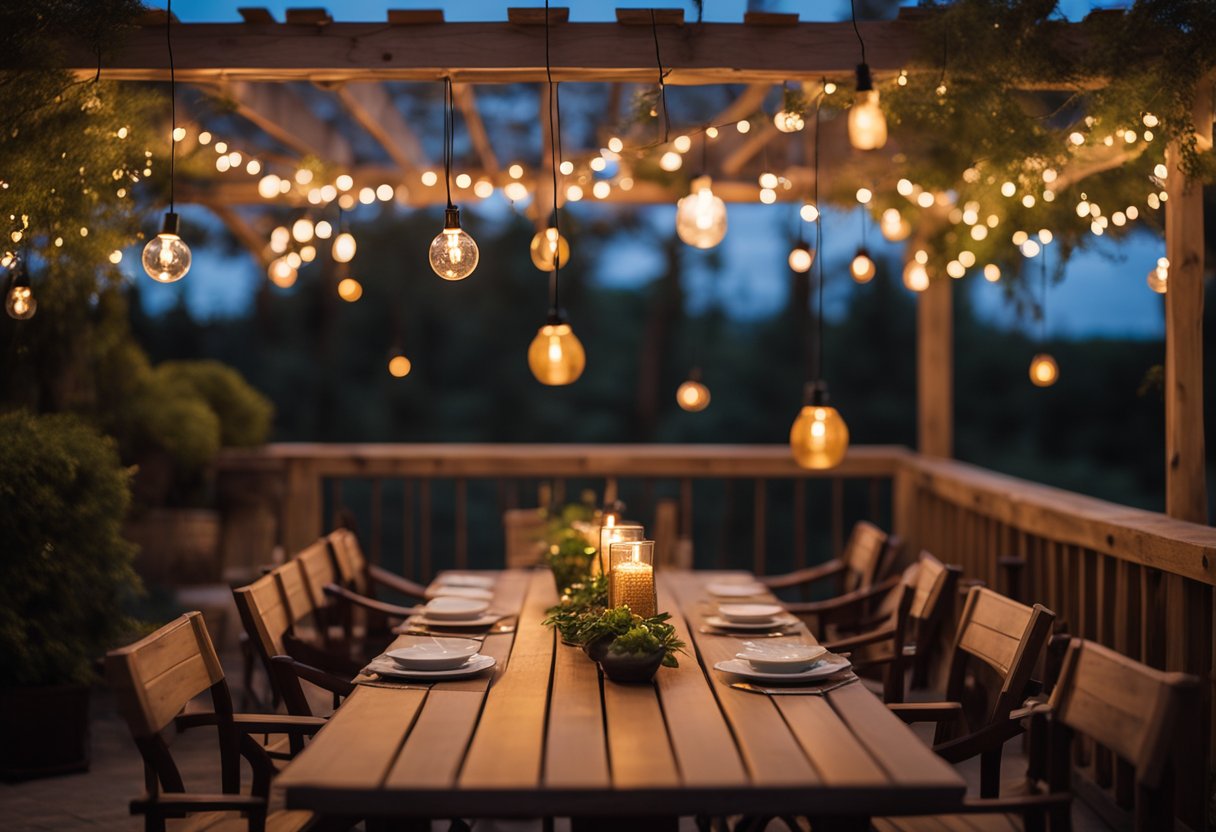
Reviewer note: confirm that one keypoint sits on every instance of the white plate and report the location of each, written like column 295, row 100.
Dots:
column 465, row 579
column 781, row 656
column 830, row 665
column 448, row 608
column 475, row 593
column 435, row 653
column 772, row 623
column 387, row 667
column 749, row 613
column 480, row 622
column 729, row 590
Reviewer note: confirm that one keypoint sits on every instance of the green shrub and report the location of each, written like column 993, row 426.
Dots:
column 244, row 413
column 66, row 569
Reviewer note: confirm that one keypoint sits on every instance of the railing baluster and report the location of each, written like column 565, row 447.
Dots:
column 837, row 515
column 462, row 531
column 407, row 531
column 760, row 530
column 799, row 523
column 377, row 519
column 424, row 546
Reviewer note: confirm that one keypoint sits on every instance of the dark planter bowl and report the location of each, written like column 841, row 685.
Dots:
column 598, row 648
column 630, row 668
column 44, row 731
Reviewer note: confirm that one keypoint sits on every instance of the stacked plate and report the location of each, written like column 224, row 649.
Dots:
column 747, row 588
column 456, row 611
column 750, row 617
column 436, row 658
column 783, row 661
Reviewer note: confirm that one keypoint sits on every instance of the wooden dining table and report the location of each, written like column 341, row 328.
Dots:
column 543, row 735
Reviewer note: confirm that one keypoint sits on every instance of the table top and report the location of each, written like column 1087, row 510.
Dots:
column 544, row 735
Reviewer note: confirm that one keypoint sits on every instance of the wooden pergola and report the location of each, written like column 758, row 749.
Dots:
column 249, row 62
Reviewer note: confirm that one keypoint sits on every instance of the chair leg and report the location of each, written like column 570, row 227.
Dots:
column 990, row 773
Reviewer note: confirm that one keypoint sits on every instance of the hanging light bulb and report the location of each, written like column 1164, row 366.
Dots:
column 862, row 268
column 282, row 273
column 893, row 225
column 867, row 124
column 166, row 257
column 349, row 289
column 693, row 395
column 701, row 216
column 453, row 253
column 819, row 436
column 801, row 258
column 545, row 246
column 1044, row 371
column 1158, row 278
column 916, row 276
column 789, row 121
column 399, row 366
column 344, row 247
column 556, row 355
column 20, row 303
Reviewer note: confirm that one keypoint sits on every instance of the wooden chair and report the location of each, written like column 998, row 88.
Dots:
column 270, row 608
column 153, row 681
column 1137, row 712
column 524, row 529
column 904, row 627
column 996, row 647
column 360, row 575
column 352, row 592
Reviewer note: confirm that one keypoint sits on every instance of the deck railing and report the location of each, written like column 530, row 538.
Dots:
column 1134, row 580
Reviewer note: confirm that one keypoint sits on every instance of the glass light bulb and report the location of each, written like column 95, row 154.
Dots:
column 453, row 254
column 282, row 273
column 701, row 216
column 801, row 258
column 916, row 276
column 893, row 226
column 1158, row 279
column 862, row 268
column 819, row 437
column 543, row 247
column 349, row 289
column 867, row 124
column 789, row 121
column 399, row 366
column 556, row 355
column 20, row 303
column 166, row 258
column 1044, row 371
column 692, row 396
column 344, row 247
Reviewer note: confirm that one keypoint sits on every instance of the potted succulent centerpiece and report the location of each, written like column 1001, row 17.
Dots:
column 628, row 647
column 65, row 578
column 581, row 600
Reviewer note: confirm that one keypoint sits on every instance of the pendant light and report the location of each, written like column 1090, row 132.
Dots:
column 166, row 257
column 546, row 246
column 555, row 355
column 344, row 245
column 453, row 254
column 701, row 216
column 867, row 124
column 819, row 436
column 693, row 395
column 20, row 303
column 1044, row 371
column 862, row 268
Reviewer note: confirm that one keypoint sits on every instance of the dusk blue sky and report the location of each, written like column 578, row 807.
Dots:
column 1103, row 294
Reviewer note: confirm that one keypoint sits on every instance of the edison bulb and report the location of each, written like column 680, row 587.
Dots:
column 399, row 366
column 862, row 268
column 692, row 396
column 789, row 121
column 20, row 303
column 545, row 244
column 282, row 273
column 867, row 124
column 453, row 253
column 819, row 437
column 893, row 225
column 1044, row 371
column 701, row 216
column 166, row 257
column 344, row 247
column 801, row 258
column 1158, row 278
column 556, row 355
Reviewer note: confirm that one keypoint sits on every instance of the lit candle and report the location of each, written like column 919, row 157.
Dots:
column 614, row 530
column 631, row 581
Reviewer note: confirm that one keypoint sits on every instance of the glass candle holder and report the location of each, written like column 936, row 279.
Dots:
column 614, row 530
column 631, row 577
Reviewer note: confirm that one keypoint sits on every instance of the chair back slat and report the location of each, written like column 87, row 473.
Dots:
column 294, row 589
column 524, row 530
column 318, row 566
column 265, row 612
column 929, row 586
column 352, row 565
column 155, row 677
column 863, row 556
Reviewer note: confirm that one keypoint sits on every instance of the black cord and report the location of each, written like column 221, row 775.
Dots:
column 172, row 98
column 449, row 128
column 555, row 137
column 658, row 58
column 1043, row 309
column 945, row 55
column 856, row 31
column 704, row 152
column 818, row 342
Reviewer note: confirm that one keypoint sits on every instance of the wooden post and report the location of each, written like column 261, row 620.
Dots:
column 935, row 369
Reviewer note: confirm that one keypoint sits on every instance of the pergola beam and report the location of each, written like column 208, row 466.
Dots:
column 467, row 102
column 371, row 105
column 281, row 113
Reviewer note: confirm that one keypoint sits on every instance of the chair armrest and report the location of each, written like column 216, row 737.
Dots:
column 382, row 607
column 841, row 603
column 913, row 712
column 178, row 802
column 989, row 738
column 393, row 581
column 315, row 675
column 278, row 724
column 804, row 576
column 862, row 639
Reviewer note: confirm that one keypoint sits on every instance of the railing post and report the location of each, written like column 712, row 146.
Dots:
column 300, row 516
column 935, row 368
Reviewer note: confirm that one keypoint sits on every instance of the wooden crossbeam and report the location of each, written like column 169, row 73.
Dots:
column 373, row 107
column 240, row 229
column 279, row 111
column 710, row 53
column 467, row 103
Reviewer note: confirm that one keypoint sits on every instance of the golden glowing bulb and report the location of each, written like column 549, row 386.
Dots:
column 1044, row 371
column 701, row 216
column 20, row 303
column 166, row 257
column 1158, row 278
column 819, row 437
column 862, row 268
column 916, row 276
column 867, row 124
column 692, row 395
column 789, row 121
column 556, row 355
column 344, row 247
column 893, row 225
column 801, row 258
column 282, row 273
column 399, row 366
column 349, row 289
column 545, row 245
column 453, row 254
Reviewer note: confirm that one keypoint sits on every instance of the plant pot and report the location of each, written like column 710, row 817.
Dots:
column 627, row 667
column 177, row 546
column 598, row 648
column 44, row 731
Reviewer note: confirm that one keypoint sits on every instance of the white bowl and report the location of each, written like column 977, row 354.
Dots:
column 435, row 654
column 784, row 657
column 748, row 613
column 442, row 591
column 448, row 608
column 729, row 589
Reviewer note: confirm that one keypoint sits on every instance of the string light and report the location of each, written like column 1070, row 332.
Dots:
column 547, row 247
column 453, row 254
column 992, row 272
column 349, row 289
column 867, row 124
column 20, row 303
column 693, row 395
column 282, row 273
column 1158, row 278
column 399, row 366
